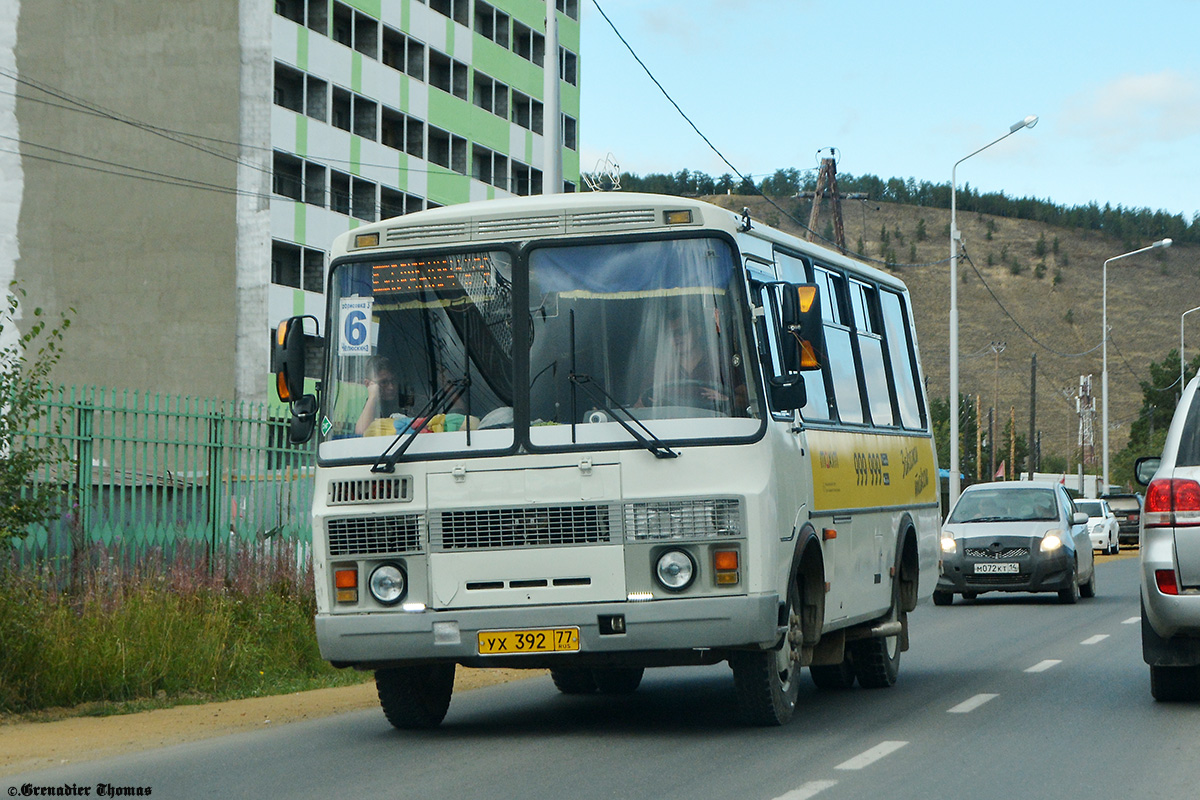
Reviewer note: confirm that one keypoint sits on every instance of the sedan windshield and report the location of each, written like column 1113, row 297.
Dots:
column 1092, row 509
column 1005, row 505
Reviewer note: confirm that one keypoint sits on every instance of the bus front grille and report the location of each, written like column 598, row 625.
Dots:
column 538, row 526
column 375, row 535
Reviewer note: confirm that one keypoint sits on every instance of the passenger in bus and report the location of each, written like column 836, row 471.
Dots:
column 383, row 398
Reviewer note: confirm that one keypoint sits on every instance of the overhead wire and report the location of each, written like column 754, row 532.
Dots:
column 745, row 178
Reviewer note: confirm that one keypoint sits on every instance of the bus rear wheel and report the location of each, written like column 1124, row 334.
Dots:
column 768, row 681
column 573, row 680
column 415, row 697
column 877, row 660
column 617, row 680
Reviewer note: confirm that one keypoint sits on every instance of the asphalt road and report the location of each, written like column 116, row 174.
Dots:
column 1007, row 696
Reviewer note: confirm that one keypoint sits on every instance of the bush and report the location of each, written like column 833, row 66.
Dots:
column 159, row 631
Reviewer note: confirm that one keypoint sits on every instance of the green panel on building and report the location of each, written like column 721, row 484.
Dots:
column 489, row 130
column 300, row 222
column 371, row 7
column 447, row 188
column 302, row 48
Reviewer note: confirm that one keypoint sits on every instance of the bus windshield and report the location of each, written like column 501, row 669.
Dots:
column 641, row 333
column 649, row 331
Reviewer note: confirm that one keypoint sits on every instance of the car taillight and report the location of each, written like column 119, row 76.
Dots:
column 1171, row 501
column 1165, row 580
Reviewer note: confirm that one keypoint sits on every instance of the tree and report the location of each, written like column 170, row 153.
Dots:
column 1148, row 432
column 25, row 365
column 939, row 412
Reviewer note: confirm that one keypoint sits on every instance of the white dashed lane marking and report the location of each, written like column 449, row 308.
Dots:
column 1042, row 666
column 971, row 704
column 1132, row 621
column 808, row 790
column 871, row 756
column 1099, row 637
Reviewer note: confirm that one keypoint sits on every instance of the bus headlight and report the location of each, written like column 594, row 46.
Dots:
column 388, row 584
column 675, row 570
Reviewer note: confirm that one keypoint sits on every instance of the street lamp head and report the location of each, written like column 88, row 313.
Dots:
column 1162, row 243
column 1028, row 122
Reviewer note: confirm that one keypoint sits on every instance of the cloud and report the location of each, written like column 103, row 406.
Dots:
column 1132, row 110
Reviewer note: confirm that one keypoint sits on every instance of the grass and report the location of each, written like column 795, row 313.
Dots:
column 131, row 636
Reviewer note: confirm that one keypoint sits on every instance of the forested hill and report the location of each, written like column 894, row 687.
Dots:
column 1127, row 225
column 1026, row 286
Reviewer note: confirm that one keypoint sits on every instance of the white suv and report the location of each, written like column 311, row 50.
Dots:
column 1171, row 556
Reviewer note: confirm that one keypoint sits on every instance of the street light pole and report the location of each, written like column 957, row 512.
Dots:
column 1104, row 350
column 955, row 236
column 1182, row 375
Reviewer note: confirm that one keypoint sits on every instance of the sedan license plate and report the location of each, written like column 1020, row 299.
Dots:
column 997, row 569
column 537, row 640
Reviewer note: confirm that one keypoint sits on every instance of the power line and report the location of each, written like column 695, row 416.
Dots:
column 744, row 178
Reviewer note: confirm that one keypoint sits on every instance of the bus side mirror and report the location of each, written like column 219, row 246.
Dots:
column 304, row 419
column 290, row 355
column 289, row 359
column 803, row 330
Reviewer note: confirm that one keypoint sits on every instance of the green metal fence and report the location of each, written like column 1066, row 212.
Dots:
column 170, row 474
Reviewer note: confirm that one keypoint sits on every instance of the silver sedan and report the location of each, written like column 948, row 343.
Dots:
column 1015, row 536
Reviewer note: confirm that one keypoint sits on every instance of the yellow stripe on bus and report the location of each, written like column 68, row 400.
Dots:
column 869, row 470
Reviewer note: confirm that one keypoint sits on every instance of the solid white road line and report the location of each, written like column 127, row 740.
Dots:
column 971, row 704
column 1099, row 637
column 871, row 756
column 810, row 789
column 1042, row 666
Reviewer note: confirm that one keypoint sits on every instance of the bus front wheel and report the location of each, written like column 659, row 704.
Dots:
column 415, row 697
column 768, row 681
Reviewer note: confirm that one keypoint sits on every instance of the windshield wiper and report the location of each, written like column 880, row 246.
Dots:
column 443, row 399
column 595, row 391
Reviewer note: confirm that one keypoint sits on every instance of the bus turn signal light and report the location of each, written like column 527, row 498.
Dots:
column 807, row 294
column 725, row 567
column 346, row 581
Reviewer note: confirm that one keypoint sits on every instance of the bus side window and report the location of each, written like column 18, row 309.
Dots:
column 870, row 350
column 903, row 359
column 839, row 347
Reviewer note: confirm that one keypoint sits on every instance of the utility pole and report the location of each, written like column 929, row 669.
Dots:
column 997, row 349
column 978, row 440
column 827, row 187
column 1032, row 411
column 1012, row 442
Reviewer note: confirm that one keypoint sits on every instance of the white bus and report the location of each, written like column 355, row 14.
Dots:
column 597, row 433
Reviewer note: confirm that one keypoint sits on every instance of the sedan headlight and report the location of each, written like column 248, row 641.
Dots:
column 1051, row 542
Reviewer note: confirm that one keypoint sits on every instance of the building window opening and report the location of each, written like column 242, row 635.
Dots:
column 288, row 174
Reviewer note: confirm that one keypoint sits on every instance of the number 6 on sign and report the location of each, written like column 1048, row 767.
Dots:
column 355, row 326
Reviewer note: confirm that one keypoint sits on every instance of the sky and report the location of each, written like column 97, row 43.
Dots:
column 905, row 88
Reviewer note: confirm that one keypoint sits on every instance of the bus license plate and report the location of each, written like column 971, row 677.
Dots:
column 996, row 569
column 539, row 640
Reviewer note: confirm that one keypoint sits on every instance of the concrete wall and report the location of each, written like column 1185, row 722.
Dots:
column 149, row 265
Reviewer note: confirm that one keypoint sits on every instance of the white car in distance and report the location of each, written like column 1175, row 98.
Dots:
column 1103, row 527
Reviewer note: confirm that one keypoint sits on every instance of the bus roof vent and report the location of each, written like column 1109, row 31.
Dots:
column 519, row 226
column 424, row 233
column 624, row 218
